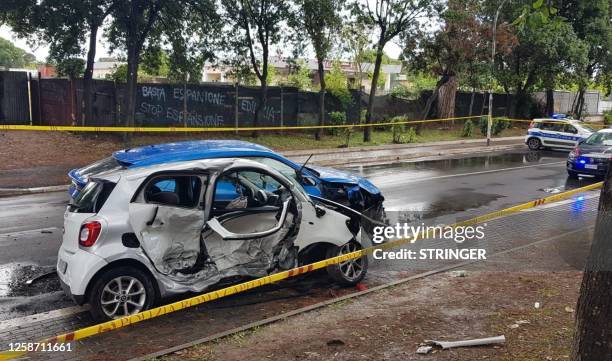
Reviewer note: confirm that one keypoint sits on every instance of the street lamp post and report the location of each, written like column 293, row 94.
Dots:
column 490, row 115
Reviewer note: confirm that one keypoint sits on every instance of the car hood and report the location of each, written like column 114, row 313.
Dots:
column 595, row 149
column 332, row 175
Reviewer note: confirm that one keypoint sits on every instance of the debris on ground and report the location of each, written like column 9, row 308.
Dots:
column 458, row 273
column 361, row 287
column 467, row 343
column 424, row 350
column 518, row 323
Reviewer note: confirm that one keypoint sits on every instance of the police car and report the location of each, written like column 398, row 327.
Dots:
column 591, row 156
column 556, row 132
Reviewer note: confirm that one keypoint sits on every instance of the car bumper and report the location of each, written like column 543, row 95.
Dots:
column 76, row 270
column 585, row 168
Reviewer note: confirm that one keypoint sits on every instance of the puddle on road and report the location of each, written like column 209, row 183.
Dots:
column 447, row 204
column 14, row 279
column 491, row 161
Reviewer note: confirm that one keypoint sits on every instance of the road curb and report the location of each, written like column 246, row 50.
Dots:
column 414, row 157
column 6, row 192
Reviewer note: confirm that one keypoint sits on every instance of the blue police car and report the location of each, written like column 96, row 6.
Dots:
column 328, row 183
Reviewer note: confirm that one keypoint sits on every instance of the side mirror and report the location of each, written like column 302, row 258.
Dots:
column 309, row 181
column 226, row 234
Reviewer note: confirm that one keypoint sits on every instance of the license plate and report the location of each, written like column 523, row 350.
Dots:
column 590, row 166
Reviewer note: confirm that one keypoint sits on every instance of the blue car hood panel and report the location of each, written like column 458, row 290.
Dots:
column 332, row 175
column 141, row 154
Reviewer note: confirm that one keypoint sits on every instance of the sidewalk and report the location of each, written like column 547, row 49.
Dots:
column 17, row 180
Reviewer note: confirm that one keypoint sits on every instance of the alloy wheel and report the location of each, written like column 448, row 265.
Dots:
column 351, row 269
column 123, row 296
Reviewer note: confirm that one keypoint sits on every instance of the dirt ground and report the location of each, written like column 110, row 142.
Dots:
column 390, row 325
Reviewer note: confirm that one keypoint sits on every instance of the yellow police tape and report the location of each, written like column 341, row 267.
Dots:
column 174, row 129
column 227, row 291
column 70, row 128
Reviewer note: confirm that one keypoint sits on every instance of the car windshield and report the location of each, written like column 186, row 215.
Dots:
column 283, row 169
column 600, row 138
column 586, row 127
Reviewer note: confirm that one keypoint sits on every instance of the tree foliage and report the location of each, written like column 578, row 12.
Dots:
column 255, row 25
column 337, row 84
column 390, row 18
column 14, row 57
column 299, row 76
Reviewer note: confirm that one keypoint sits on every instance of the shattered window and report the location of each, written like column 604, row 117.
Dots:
column 174, row 190
column 245, row 189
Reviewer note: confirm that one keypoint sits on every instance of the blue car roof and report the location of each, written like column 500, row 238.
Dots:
column 190, row 150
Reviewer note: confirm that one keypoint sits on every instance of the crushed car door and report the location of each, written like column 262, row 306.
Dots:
column 252, row 233
column 167, row 219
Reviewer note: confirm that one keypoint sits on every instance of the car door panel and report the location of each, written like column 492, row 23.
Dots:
column 170, row 236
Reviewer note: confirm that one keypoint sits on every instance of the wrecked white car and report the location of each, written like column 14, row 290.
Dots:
column 134, row 236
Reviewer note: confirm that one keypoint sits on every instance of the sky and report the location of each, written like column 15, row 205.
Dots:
column 41, row 52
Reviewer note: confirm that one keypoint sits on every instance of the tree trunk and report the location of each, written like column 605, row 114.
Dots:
column 446, row 98
column 132, row 82
column 593, row 336
column 262, row 104
column 367, row 131
column 550, row 102
column 472, row 102
column 580, row 103
column 87, row 115
column 434, row 95
column 321, row 70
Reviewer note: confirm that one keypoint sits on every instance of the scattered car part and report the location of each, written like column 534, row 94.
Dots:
column 466, row 343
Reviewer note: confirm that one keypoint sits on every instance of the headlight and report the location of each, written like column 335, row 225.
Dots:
column 571, row 155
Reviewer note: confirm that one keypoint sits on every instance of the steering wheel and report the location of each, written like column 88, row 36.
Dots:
column 261, row 197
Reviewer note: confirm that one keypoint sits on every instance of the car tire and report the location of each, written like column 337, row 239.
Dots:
column 534, row 143
column 348, row 273
column 110, row 291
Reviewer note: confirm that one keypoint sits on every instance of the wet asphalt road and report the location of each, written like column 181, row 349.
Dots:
column 30, row 226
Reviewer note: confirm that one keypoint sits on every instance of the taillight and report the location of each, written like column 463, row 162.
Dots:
column 89, row 233
column 532, row 124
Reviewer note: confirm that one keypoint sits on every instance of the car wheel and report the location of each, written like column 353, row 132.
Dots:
column 350, row 272
column 534, row 143
column 120, row 292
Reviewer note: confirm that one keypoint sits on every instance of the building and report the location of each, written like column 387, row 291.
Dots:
column 105, row 66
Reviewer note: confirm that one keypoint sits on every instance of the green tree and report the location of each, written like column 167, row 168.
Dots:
column 590, row 21
column 321, row 21
column 300, row 76
column 547, row 52
column 256, row 25
column 356, row 39
column 12, row 56
column 140, row 26
column 67, row 26
column 459, row 47
column 337, row 84
column 72, row 68
column 391, row 18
